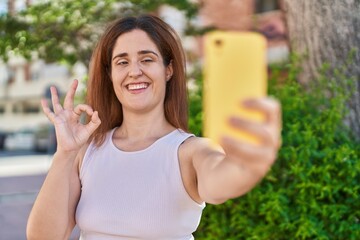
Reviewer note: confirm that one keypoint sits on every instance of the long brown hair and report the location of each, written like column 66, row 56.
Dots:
column 100, row 92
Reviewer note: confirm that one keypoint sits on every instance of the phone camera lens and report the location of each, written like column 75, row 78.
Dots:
column 218, row 42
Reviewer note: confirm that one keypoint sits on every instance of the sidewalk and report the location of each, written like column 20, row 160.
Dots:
column 24, row 165
column 20, row 180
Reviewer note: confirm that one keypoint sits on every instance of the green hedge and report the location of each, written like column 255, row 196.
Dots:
column 313, row 190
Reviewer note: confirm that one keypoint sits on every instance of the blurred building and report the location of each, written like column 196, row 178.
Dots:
column 263, row 16
column 23, row 84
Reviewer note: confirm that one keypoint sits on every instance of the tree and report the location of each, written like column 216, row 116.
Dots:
column 67, row 30
column 326, row 32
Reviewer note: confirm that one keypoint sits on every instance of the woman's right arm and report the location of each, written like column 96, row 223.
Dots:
column 52, row 216
column 53, row 213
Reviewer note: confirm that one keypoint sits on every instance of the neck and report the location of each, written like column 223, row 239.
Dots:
column 143, row 126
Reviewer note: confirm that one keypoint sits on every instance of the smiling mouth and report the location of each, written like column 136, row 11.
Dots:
column 137, row 86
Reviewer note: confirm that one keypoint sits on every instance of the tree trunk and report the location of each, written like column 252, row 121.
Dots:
column 11, row 7
column 328, row 31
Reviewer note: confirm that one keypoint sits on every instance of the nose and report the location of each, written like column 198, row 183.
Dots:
column 135, row 70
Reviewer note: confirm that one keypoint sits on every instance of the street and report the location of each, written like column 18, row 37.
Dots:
column 21, row 177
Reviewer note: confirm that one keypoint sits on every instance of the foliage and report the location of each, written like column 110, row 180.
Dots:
column 56, row 30
column 189, row 8
column 67, row 30
column 312, row 191
column 195, row 101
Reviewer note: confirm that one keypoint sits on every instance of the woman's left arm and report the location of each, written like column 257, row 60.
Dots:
column 230, row 173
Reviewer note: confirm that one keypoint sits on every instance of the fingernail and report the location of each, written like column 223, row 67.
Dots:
column 247, row 102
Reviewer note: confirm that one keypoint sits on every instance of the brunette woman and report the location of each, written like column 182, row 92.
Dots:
column 134, row 171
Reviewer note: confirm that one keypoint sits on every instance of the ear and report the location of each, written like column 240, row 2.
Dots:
column 169, row 71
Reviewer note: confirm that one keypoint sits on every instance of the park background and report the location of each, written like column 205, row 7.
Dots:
column 312, row 192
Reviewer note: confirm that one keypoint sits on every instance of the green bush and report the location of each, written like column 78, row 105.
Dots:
column 313, row 190
column 195, row 103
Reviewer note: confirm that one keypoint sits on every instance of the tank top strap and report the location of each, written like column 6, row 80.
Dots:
column 178, row 136
column 88, row 156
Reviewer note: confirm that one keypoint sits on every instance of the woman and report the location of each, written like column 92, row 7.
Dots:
column 133, row 172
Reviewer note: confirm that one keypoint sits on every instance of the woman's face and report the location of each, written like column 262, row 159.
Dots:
column 138, row 73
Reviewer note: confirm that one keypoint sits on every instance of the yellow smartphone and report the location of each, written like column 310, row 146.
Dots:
column 234, row 70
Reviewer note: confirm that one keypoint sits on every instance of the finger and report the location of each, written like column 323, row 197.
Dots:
column 48, row 113
column 69, row 98
column 258, row 130
column 247, row 151
column 269, row 106
column 55, row 100
column 94, row 122
column 257, row 158
column 79, row 109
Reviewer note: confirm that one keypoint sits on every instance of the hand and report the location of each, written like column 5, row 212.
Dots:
column 256, row 159
column 71, row 135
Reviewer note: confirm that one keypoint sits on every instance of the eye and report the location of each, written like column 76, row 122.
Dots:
column 147, row 60
column 122, row 62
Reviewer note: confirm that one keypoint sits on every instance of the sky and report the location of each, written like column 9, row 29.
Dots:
column 3, row 4
column 19, row 5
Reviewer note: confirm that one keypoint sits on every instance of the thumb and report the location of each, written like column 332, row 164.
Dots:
column 94, row 122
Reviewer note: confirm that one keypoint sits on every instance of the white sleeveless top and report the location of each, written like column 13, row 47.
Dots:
column 136, row 195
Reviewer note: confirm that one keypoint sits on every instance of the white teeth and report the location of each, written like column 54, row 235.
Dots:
column 137, row 86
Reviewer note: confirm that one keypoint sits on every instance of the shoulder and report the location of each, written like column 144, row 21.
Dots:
column 193, row 154
column 199, row 148
column 193, row 143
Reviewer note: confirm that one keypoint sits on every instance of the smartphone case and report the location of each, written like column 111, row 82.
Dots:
column 234, row 70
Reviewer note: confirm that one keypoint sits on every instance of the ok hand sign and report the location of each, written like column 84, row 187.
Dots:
column 71, row 134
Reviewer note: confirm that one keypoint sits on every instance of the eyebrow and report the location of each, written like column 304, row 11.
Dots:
column 142, row 52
